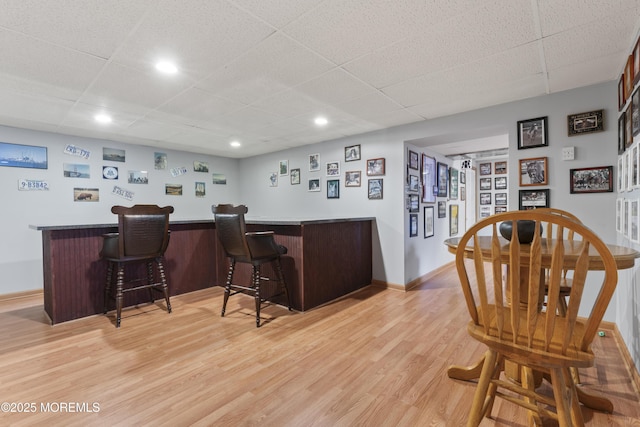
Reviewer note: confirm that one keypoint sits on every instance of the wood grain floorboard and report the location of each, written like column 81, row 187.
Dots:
column 375, row 358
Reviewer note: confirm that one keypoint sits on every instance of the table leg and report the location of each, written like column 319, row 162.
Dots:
column 466, row 373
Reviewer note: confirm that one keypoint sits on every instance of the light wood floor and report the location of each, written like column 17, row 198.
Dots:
column 376, row 358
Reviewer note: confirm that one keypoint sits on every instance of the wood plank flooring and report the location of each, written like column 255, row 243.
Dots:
column 375, row 358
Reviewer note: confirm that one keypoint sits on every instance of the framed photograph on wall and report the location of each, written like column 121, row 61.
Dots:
column 333, row 189
column 352, row 178
column 295, row 176
column 635, row 112
column 413, row 160
column 533, row 171
column 453, row 220
column 428, row 179
column 485, row 198
column 375, row 167
column 500, row 168
column 283, row 168
column 591, row 180
column 485, row 184
column 429, row 221
column 622, row 139
column 485, row 168
column 413, row 225
column 453, row 183
column 414, row 203
column 374, row 191
column 352, row 153
column 314, row 162
column 628, row 77
column 314, row 184
column 414, row 184
column 333, row 168
column 636, row 62
column 532, row 199
column 443, row 177
column 621, row 98
column 500, row 183
column 591, row 121
column 442, row 209
column 23, row 156
column 501, row 199
column 532, row 133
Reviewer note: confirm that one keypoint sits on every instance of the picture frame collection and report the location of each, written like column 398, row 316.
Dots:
column 493, row 187
column 627, row 169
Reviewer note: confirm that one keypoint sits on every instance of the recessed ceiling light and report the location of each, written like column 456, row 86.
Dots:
column 102, row 118
column 321, row 121
column 235, row 144
column 166, row 67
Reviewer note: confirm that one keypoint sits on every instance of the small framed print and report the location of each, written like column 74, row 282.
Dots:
column 485, row 183
column 532, row 133
column 414, row 203
column 533, row 171
column 628, row 77
column 352, row 153
column 374, row 191
column 375, row 167
column 485, row 198
column 591, row 180
column 333, row 168
column 532, row 199
column 636, row 62
column 413, row 160
column 413, row 225
column 634, row 224
column 314, row 184
column 295, row 176
column 501, row 199
column 500, row 209
column 635, row 112
column 413, row 183
column 428, row 179
column 429, row 221
column 500, row 168
column 333, row 189
column 463, row 194
column 622, row 126
column 442, row 209
column 453, row 220
column 621, row 98
column 485, row 168
column 443, row 176
column 283, row 168
column 453, row 183
column 199, row 166
column 591, row 121
column 23, row 156
column 314, row 162
column 352, row 178
column 463, row 177
column 500, row 183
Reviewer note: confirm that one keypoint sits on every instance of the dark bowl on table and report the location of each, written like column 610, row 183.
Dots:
column 526, row 228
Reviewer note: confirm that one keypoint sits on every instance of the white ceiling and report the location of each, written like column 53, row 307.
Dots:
column 259, row 71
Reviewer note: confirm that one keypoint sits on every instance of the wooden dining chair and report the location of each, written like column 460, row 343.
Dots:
column 536, row 340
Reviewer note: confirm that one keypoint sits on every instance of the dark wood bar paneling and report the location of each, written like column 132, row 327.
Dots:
column 325, row 260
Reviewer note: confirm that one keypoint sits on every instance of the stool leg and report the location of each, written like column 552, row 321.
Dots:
column 163, row 280
column 256, row 286
column 283, row 284
column 119, row 295
column 227, row 288
column 107, row 288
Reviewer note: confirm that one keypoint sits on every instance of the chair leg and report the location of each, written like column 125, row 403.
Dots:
column 256, row 286
column 150, row 281
column 528, row 383
column 165, row 287
column 227, row 288
column 283, row 284
column 119, row 294
column 562, row 397
column 107, row 288
column 576, row 410
column 477, row 407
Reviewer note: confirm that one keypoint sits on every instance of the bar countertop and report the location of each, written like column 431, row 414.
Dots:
column 248, row 220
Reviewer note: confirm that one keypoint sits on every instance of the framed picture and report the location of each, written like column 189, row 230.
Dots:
column 453, row 220
column 114, row 154
column 199, row 166
column 414, row 203
column 75, row 170
column 532, row 199
column 625, row 217
column 485, row 198
column 485, row 211
column 621, row 174
column 442, row 209
column 375, row 167
column 621, row 98
column 591, row 121
column 429, row 221
column 443, row 177
column 636, row 62
column 628, row 130
column 218, row 178
column 374, row 191
column 485, row 168
column 622, row 139
column 414, row 183
column 314, row 162
column 591, row 180
column 500, row 209
column 314, row 184
column 160, row 161
column 633, row 166
column 485, row 183
column 501, row 199
column 635, row 112
column 138, row 177
column 453, row 183
column 413, row 160
column 352, row 153
column 201, row 189
column 463, row 177
column 634, row 231
column 173, row 189
column 352, row 178
column 413, row 225
column 333, row 189
column 628, row 77
column 273, row 179
column 532, row 133
column 283, row 167
column 463, row 194
column 500, row 168
column 295, row 176
column 500, row 183
column 533, row 171
column 86, row 194
column 428, row 179
column 333, row 168
column 23, row 156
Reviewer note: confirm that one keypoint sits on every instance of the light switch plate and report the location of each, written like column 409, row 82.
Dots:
column 568, row 153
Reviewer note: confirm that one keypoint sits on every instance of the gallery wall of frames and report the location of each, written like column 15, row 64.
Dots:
column 628, row 171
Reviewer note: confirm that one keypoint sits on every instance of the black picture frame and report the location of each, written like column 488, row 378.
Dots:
column 532, row 199
column 429, row 221
column 374, row 189
column 352, row 153
column 485, row 198
column 485, row 184
column 532, row 133
column 591, row 121
column 443, row 179
column 414, row 203
column 414, row 183
column 485, row 168
column 442, row 209
column 622, row 138
column 413, row 160
column 635, row 112
column 621, row 98
column 333, row 189
column 453, row 183
column 591, row 180
column 428, row 179
column 500, row 183
column 413, row 225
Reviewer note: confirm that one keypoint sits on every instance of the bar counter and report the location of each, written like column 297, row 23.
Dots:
column 326, row 259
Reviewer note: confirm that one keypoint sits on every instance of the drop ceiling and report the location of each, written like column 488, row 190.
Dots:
column 260, row 71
